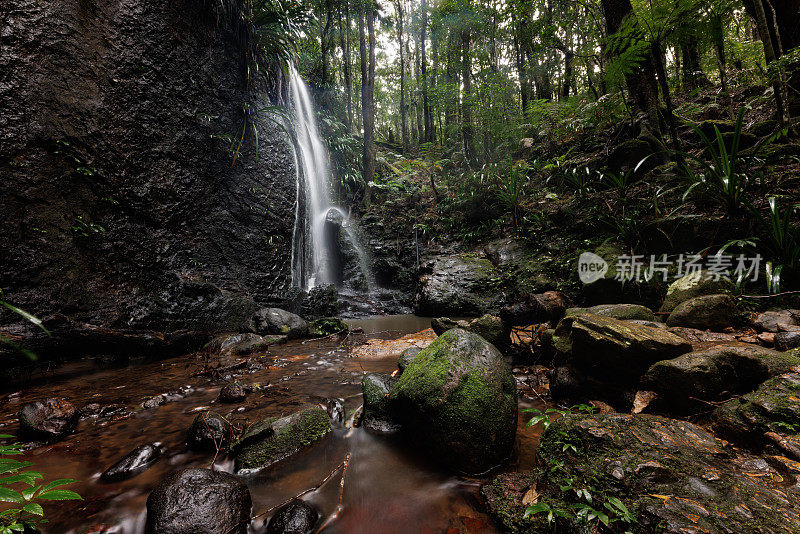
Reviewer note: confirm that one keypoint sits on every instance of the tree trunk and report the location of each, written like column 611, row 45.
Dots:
column 718, row 35
column 693, row 76
column 642, row 83
column 426, row 109
column 325, row 42
column 466, row 100
column 367, row 51
column 770, row 55
column 344, row 42
column 403, row 106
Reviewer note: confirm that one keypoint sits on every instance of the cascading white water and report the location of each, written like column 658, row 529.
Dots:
column 312, row 252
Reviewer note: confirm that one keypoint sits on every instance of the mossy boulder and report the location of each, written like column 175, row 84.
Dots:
column 440, row 325
column 275, row 438
column 458, row 399
column 599, row 356
column 377, row 409
column 623, row 312
column 693, row 285
column 685, row 382
column 458, row 285
column 773, row 407
column 709, row 312
column 672, row 476
column 327, row 326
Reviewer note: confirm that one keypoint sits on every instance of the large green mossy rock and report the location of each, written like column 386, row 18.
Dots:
column 489, row 327
column 458, row 399
column 709, row 312
column 672, row 476
column 689, row 382
column 602, row 357
column 694, row 285
column 773, row 407
column 273, row 439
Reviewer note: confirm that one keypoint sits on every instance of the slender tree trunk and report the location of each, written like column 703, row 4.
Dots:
column 367, row 50
column 718, row 35
column 466, row 100
column 325, row 42
column 568, row 55
column 344, row 43
column 771, row 56
column 426, row 108
column 522, row 75
column 662, row 79
column 403, row 105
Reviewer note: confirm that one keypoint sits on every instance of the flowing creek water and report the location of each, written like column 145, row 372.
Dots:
column 389, row 488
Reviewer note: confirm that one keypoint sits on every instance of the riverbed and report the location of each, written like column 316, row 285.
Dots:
column 389, row 488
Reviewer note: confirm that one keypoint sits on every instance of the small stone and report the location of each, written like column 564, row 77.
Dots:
column 51, row 419
column 232, row 392
column 295, row 517
column 133, row 463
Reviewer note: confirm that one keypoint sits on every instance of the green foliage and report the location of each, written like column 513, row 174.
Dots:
column 544, row 417
column 724, row 177
column 28, row 317
column 85, row 228
column 18, row 486
column 623, row 180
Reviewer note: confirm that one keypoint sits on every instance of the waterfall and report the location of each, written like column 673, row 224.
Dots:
column 314, row 252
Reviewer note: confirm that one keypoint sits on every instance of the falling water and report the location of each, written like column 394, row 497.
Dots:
column 312, row 252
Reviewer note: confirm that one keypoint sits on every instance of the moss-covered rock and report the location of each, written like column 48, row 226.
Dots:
column 273, row 439
column 458, row 399
column 709, row 312
column 693, row 285
column 773, row 407
column 459, row 285
column 377, row 409
column 623, row 312
column 604, row 357
column 672, row 476
column 440, row 325
column 327, row 326
column 683, row 383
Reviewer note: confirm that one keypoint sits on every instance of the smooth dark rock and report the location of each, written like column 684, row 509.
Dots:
column 440, row 325
column 50, row 420
column 296, row 517
column 377, row 408
column 133, row 463
column 278, row 321
column 458, row 400
column 776, row 321
column 787, row 340
column 199, row 501
column 535, row 308
column 208, row 431
column 232, row 392
column 459, row 285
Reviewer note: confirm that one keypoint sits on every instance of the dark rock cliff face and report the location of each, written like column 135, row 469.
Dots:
column 121, row 207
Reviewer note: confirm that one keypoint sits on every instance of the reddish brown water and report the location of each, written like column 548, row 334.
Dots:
column 388, row 489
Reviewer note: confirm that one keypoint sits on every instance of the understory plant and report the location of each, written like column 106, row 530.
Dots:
column 28, row 317
column 18, row 485
column 723, row 177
